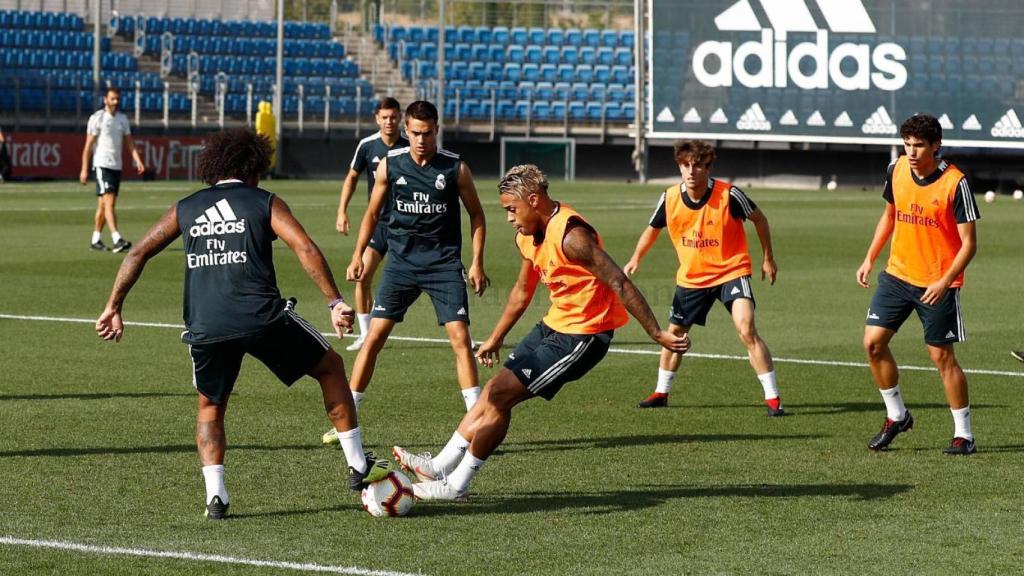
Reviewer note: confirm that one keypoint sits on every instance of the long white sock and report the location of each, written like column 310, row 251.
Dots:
column 470, row 396
column 352, row 445
column 451, row 454
column 115, row 236
column 962, row 423
column 364, row 323
column 96, row 237
column 665, row 379
column 771, row 389
column 465, row 471
column 214, row 477
column 895, row 410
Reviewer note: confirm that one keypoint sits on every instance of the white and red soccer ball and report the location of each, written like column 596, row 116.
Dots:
column 391, row 496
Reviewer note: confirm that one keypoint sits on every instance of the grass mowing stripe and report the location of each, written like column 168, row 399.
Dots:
column 782, row 360
column 142, row 552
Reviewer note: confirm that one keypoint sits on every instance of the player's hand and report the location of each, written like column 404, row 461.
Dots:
column 109, row 326
column 83, row 177
column 342, row 316
column 934, row 293
column 864, row 273
column 673, row 343
column 478, row 280
column 354, row 273
column 769, row 269
column 488, row 352
column 140, row 167
column 342, row 224
column 631, row 266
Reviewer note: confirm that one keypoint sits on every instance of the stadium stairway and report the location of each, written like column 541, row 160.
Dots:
column 377, row 67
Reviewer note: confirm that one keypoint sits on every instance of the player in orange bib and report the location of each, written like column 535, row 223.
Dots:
column 705, row 217
column 589, row 298
column 930, row 214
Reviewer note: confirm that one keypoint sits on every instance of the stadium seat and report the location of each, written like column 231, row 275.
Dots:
column 562, row 91
column 526, row 90
column 537, row 36
column 552, row 55
column 500, row 35
column 496, row 53
column 516, row 53
column 518, row 35
column 531, row 72
column 570, row 55
column 592, row 37
column 534, row 55
column 506, row 109
column 549, row 73
column 573, row 37
column 588, row 55
column 544, row 91
column 483, row 35
column 585, row 73
column 605, row 56
column 513, row 71
column 466, row 34
column 556, row 37
column 609, row 38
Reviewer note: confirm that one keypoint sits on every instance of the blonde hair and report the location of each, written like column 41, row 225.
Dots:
column 523, row 180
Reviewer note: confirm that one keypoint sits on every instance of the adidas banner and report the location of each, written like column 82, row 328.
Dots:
column 38, row 155
column 843, row 71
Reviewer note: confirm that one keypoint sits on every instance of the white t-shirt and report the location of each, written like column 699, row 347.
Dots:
column 110, row 132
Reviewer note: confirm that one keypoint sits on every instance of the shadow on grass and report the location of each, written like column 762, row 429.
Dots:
column 840, row 407
column 131, row 450
column 651, row 496
column 94, row 396
column 642, row 440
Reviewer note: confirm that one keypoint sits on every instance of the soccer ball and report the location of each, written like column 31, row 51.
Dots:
column 990, row 196
column 391, row 496
column 1018, row 194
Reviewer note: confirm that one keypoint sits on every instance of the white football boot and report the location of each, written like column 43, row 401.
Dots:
column 438, row 490
column 419, row 464
column 355, row 346
column 331, row 437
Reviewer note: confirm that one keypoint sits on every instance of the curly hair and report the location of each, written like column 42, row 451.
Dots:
column 235, row 153
column 523, row 180
column 697, row 151
column 922, row 126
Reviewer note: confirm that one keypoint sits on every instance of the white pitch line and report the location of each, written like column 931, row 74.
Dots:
column 196, row 556
column 839, row 363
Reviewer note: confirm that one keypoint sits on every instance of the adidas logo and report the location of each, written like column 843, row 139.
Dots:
column 401, row 181
column 872, row 316
column 754, row 119
column 879, row 123
column 719, row 117
column 376, row 160
column 691, row 117
column 950, row 334
column 778, row 64
column 379, row 308
column 971, row 123
column 945, row 122
column 527, row 372
column 1008, row 126
column 217, row 219
column 816, row 119
column 734, row 291
column 665, row 115
column 461, row 312
column 843, row 120
column 789, row 119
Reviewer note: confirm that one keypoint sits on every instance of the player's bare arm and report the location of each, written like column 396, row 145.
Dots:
column 130, row 143
column 968, row 248
column 288, row 229
column 643, row 246
column 769, row 269
column 883, row 230
column 478, row 279
column 377, row 198
column 110, row 326
column 90, row 141
column 347, row 190
column 518, row 301
column 580, row 246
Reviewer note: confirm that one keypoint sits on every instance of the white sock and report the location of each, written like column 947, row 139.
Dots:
column 771, row 389
column 451, row 454
column 115, row 236
column 962, row 423
column 895, row 410
column 352, row 445
column 357, row 399
column 470, row 396
column 465, row 471
column 364, row 324
column 665, row 379
column 95, row 237
column 214, row 476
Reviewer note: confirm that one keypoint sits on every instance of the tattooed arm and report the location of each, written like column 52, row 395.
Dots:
column 109, row 326
column 580, row 246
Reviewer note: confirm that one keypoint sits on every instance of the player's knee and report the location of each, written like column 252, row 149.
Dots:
column 501, row 394
column 943, row 357
column 748, row 335
column 874, row 348
column 330, row 365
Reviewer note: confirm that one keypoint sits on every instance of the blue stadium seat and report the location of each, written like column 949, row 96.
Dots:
column 595, row 110
column 483, row 35
column 506, row 110
column 556, row 37
column 477, row 71
column 516, row 53
column 541, row 111
column 513, row 71
column 537, row 36
column 479, row 52
column 430, row 34
column 526, row 90
column 552, row 55
column 613, row 111
column 518, row 35
column 585, row 73
column 461, row 51
column 570, row 55
column 580, row 91
column 548, row 72
column 500, row 35
column 577, row 110
column 629, row 112
column 624, row 56
column 566, row 73
column 522, row 110
column 534, row 54
column 493, row 71
column 573, row 37
column 609, row 38
column 621, row 74
column 531, row 72
column 496, row 52
column 605, row 56
column 561, row 91
column 465, row 34
column 545, row 91
column 592, row 37
column 588, row 55
column 507, row 90
column 416, row 34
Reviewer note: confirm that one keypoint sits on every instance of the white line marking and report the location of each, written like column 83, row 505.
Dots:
column 615, row 350
column 142, row 552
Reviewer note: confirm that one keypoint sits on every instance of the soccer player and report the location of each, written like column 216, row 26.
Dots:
column 929, row 214
column 108, row 131
column 233, row 306
column 423, row 184
column 704, row 217
column 369, row 153
column 589, row 298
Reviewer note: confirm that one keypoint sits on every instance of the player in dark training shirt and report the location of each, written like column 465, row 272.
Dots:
column 424, row 185
column 233, row 306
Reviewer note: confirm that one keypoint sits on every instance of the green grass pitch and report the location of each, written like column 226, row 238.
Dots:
column 97, row 439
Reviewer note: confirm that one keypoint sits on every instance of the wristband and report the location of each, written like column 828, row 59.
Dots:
column 335, row 302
